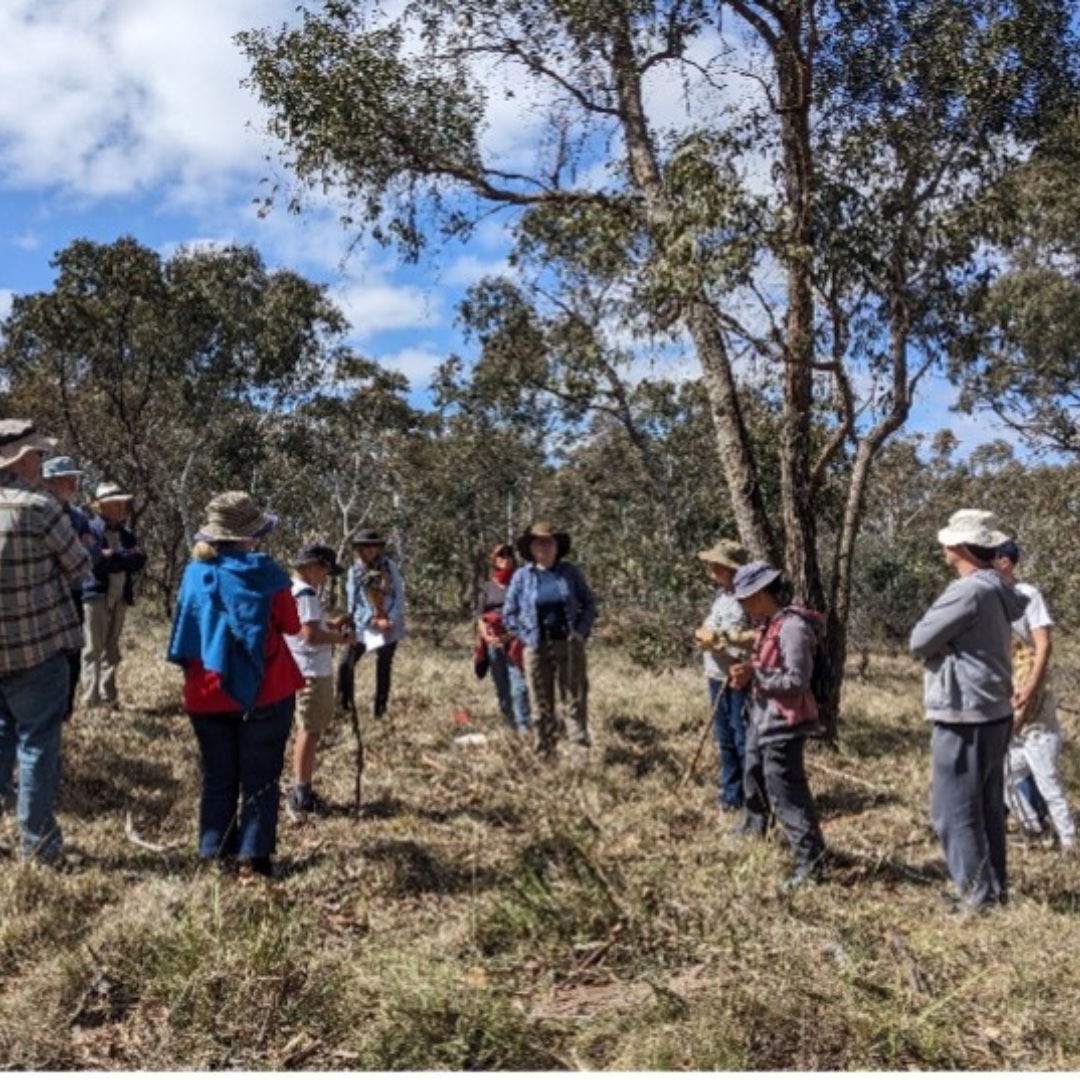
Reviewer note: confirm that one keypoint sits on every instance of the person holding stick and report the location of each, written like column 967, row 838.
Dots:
column 725, row 638
column 783, row 713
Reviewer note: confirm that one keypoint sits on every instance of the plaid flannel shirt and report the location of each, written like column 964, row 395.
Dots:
column 40, row 558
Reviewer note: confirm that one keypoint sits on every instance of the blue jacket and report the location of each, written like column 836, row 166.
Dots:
column 222, row 618
column 359, row 603
column 519, row 610
column 125, row 560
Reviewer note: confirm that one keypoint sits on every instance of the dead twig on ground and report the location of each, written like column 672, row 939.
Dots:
column 138, row 841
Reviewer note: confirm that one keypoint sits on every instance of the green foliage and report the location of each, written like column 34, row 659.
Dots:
column 1020, row 359
column 164, row 375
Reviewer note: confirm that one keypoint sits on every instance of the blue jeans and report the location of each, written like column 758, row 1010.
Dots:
column 1030, row 791
column 241, row 757
column 729, row 726
column 32, row 707
column 510, row 688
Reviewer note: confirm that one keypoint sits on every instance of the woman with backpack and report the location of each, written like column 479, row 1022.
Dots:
column 782, row 713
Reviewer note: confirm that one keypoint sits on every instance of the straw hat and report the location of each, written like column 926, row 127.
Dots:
column 233, row 515
column 729, row 553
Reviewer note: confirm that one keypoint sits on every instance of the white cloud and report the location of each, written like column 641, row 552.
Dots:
column 6, row 298
column 111, row 97
column 416, row 363
column 469, row 269
column 374, row 307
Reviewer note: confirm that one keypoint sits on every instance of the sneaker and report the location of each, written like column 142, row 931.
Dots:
column 1024, row 837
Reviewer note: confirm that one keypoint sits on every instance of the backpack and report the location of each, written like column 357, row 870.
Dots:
column 821, row 672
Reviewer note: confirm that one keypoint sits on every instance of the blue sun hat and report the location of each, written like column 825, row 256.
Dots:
column 752, row 578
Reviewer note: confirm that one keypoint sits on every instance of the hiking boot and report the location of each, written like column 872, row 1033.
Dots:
column 808, row 873
column 257, row 867
column 302, row 804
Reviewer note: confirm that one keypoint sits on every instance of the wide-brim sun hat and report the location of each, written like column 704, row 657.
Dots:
column 318, row 553
column 980, row 528
column 19, row 438
column 729, row 553
column 543, row 530
column 55, row 467
column 371, row 537
column 752, row 578
column 234, row 515
column 110, row 492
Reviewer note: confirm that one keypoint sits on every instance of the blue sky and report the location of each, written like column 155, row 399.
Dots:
column 127, row 117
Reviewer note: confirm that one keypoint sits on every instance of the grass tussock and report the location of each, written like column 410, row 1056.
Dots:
column 486, row 912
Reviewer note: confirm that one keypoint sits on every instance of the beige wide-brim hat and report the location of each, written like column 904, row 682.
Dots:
column 110, row 492
column 729, row 553
column 19, row 438
column 233, row 515
column 544, row 530
column 978, row 527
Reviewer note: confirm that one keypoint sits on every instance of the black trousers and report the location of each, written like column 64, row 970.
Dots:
column 776, row 783
column 346, row 675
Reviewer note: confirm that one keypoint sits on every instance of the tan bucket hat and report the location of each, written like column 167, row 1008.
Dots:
column 729, row 553
column 233, row 515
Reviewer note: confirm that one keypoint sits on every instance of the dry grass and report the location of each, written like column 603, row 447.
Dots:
column 487, row 913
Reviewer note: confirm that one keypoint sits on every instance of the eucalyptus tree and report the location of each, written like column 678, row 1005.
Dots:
column 802, row 216
column 1021, row 362
column 167, row 374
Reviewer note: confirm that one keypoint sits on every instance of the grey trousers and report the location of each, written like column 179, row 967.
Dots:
column 561, row 662
column 776, row 783
column 102, row 623
column 967, row 805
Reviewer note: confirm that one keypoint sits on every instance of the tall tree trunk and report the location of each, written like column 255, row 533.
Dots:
column 794, row 77
column 733, row 439
column 698, row 315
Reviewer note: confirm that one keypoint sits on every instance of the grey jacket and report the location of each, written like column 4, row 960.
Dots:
column 965, row 641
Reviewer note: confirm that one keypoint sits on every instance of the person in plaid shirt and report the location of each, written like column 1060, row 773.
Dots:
column 40, row 558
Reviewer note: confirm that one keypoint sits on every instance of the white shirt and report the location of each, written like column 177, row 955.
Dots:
column 314, row 661
column 1036, row 614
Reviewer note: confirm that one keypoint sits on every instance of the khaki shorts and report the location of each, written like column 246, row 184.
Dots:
column 315, row 704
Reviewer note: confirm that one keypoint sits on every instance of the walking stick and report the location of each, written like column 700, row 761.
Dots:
column 701, row 746
column 354, row 723
column 348, row 691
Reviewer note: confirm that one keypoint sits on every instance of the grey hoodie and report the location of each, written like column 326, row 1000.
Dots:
column 965, row 641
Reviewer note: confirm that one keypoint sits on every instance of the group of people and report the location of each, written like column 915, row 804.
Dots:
column 256, row 648
column 985, row 644
column 66, row 581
